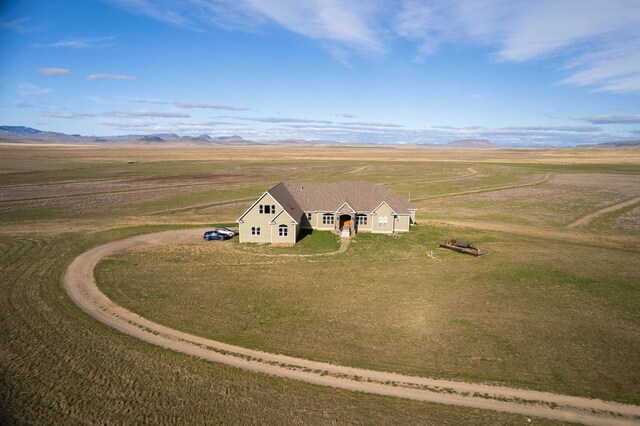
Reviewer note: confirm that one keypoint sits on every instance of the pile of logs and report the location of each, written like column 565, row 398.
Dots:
column 463, row 247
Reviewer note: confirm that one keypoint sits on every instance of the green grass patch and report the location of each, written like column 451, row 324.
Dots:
column 525, row 314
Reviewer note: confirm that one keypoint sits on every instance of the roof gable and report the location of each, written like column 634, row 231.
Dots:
column 252, row 206
column 272, row 221
column 345, row 208
column 384, row 203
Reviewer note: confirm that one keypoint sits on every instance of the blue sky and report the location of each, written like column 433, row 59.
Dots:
column 382, row 71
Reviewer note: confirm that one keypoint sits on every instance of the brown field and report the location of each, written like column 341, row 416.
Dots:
column 552, row 307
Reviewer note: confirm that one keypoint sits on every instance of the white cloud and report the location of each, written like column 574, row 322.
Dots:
column 69, row 115
column 201, row 105
column 280, row 120
column 348, row 24
column 99, row 77
column 53, row 72
column 131, row 124
column 146, row 113
column 80, row 43
column 15, row 25
column 26, row 89
column 187, row 105
column 614, row 119
column 597, row 43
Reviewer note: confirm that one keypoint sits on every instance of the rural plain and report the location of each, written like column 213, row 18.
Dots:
column 554, row 306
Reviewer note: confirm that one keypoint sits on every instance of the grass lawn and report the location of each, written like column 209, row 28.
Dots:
column 529, row 314
column 542, row 314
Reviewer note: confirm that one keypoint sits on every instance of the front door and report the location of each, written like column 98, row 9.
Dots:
column 345, row 221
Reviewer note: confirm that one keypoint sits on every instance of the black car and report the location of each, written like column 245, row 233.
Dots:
column 213, row 235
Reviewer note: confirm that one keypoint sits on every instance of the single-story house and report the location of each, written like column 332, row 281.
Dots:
column 344, row 208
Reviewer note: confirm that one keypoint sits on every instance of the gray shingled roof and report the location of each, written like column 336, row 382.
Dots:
column 288, row 202
column 321, row 196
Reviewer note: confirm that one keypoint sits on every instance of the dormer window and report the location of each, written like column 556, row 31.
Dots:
column 267, row 208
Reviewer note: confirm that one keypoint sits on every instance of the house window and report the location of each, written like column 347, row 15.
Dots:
column 267, row 209
column 361, row 219
column 397, row 219
column 382, row 221
column 309, row 215
column 255, row 230
column 327, row 219
column 283, row 230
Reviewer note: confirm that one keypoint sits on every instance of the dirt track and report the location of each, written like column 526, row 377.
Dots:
column 479, row 191
column 79, row 283
column 584, row 220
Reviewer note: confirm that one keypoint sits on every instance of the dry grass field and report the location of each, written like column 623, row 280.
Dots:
column 553, row 306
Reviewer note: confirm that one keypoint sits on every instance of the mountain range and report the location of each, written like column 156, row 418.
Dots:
column 22, row 134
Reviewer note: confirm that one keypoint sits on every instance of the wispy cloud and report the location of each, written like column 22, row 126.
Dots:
column 23, row 105
column 596, row 43
column 614, row 119
column 147, row 101
column 27, row 89
column 69, row 115
column 131, row 124
column 54, row 72
column 371, row 124
column 79, row 43
column 350, row 25
column 15, row 24
column 145, row 113
column 187, row 105
column 280, row 120
column 100, row 77
column 200, row 105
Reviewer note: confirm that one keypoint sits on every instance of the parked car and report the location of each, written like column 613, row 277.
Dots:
column 225, row 231
column 213, row 235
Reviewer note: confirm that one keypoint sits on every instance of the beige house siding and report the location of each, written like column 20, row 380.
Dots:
column 328, row 226
column 368, row 226
column 382, row 220
column 402, row 223
column 253, row 218
column 303, row 206
column 292, row 229
column 310, row 223
column 412, row 215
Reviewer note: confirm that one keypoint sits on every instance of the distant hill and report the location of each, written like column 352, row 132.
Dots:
column 151, row 138
column 22, row 134
column 615, row 144
column 473, row 143
column 22, row 130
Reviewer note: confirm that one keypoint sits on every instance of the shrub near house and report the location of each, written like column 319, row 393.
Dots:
column 344, row 208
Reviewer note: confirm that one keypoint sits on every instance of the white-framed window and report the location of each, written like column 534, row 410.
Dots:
column 283, row 230
column 382, row 220
column 361, row 219
column 327, row 219
column 309, row 216
column 267, row 208
column 255, row 230
column 397, row 219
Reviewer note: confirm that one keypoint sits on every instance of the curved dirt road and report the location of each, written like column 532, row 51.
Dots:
column 78, row 281
column 544, row 179
column 584, row 220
